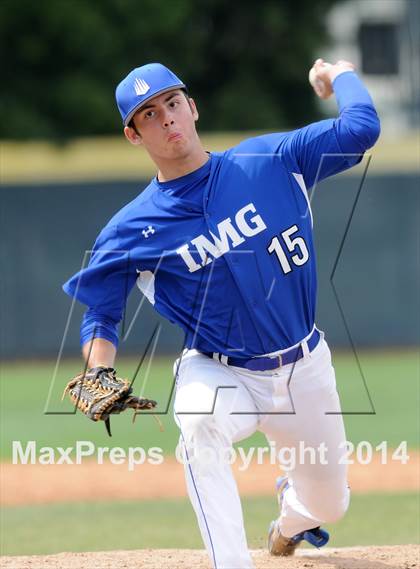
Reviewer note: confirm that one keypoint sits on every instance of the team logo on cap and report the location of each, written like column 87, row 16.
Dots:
column 140, row 86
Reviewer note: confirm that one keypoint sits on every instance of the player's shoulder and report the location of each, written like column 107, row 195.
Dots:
column 269, row 143
column 141, row 206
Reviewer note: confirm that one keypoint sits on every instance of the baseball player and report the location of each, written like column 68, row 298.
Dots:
column 221, row 244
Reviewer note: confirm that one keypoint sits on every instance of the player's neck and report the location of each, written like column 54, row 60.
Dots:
column 172, row 169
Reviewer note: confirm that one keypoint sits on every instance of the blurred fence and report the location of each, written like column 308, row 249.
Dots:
column 47, row 228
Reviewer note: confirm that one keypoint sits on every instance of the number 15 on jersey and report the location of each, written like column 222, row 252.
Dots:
column 287, row 242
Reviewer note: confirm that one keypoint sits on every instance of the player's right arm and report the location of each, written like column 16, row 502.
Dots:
column 103, row 286
column 327, row 147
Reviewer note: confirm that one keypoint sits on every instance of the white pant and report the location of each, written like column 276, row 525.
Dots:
column 216, row 405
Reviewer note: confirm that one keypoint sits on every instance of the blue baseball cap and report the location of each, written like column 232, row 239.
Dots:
column 142, row 84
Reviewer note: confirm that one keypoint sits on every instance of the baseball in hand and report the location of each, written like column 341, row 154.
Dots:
column 322, row 74
column 319, row 79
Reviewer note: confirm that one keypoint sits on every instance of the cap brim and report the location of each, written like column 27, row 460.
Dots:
column 140, row 105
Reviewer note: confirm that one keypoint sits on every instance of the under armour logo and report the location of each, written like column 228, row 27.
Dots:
column 148, row 232
column 140, row 86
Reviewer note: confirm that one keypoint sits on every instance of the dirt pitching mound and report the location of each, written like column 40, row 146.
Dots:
column 374, row 557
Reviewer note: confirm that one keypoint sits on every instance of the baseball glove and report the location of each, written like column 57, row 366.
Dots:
column 99, row 393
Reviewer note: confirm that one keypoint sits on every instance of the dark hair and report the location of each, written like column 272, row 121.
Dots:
column 133, row 126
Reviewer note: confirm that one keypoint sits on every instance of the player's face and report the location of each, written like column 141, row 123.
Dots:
column 166, row 125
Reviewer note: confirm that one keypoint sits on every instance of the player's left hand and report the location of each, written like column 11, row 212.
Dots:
column 99, row 393
column 322, row 75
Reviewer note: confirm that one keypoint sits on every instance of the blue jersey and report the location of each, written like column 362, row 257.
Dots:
column 226, row 252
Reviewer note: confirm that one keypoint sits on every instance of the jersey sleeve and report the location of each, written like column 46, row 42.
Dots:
column 328, row 147
column 103, row 286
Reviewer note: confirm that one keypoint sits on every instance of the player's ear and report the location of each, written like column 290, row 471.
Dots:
column 132, row 136
column 193, row 108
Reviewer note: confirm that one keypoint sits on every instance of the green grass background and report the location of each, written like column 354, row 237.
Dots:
column 393, row 381
column 372, row 519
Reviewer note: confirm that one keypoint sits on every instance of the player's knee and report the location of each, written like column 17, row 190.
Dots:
column 332, row 506
column 202, row 444
column 334, row 512
column 203, row 436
